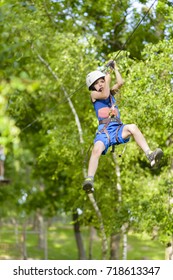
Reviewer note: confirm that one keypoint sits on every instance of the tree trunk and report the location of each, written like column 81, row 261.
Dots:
column 102, row 230
column 115, row 238
column 16, row 232
column 169, row 248
column 45, row 242
column 92, row 236
column 40, row 220
column 124, row 245
column 169, row 251
column 115, row 246
column 23, row 242
column 78, row 237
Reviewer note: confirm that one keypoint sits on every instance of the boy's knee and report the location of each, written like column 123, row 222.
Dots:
column 133, row 128
column 97, row 150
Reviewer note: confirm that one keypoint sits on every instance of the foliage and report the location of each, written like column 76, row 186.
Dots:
column 47, row 48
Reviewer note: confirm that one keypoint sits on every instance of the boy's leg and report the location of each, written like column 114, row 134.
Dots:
column 153, row 156
column 98, row 148
column 133, row 130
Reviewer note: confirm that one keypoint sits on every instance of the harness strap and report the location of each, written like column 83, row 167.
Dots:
column 104, row 129
column 108, row 120
column 116, row 136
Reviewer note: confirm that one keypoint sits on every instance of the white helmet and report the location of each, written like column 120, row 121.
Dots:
column 93, row 76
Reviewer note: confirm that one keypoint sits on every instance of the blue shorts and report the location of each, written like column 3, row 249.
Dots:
column 112, row 131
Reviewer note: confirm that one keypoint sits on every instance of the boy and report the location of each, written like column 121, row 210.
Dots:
column 111, row 131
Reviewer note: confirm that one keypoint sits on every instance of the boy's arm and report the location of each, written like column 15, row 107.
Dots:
column 119, row 81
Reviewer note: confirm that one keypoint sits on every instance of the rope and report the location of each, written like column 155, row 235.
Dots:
column 134, row 30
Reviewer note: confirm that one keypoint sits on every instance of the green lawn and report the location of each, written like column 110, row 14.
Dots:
column 62, row 246
column 144, row 248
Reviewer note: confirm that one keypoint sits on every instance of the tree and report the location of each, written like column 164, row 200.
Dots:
column 49, row 154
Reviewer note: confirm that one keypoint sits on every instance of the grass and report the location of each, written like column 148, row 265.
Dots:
column 61, row 245
column 143, row 248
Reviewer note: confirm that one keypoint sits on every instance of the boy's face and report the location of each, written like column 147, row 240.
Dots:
column 99, row 84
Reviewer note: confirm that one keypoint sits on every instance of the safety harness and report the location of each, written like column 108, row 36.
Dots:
column 112, row 118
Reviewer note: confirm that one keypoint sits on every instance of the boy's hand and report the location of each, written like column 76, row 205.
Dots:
column 111, row 64
column 115, row 66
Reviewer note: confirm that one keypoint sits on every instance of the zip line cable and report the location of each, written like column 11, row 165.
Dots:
column 134, row 30
column 65, row 99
